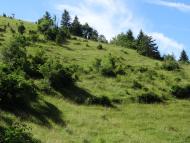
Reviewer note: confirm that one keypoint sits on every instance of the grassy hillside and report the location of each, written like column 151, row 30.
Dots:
column 57, row 117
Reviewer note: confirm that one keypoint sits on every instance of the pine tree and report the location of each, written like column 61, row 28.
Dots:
column 130, row 36
column 66, row 20
column 184, row 57
column 76, row 27
column 146, row 46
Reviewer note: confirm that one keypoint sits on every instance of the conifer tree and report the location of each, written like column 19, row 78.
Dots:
column 76, row 27
column 66, row 20
column 184, row 57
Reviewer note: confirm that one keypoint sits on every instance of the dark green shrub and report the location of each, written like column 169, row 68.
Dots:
column 17, row 133
column 137, row 85
column 181, row 92
column 33, row 69
column 109, row 66
column 149, row 98
column 104, row 100
column 33, row 36
column 21, row 29
column 15, row 89
column 170, row 63
column 57, row 75
column 100, row 47
column 14, row 54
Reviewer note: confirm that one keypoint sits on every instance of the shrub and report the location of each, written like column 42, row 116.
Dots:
column 149, row 98
column 60, row 37
column 109, row 66
column 100, row 47
column 104, row 100
column 21, row 29
column 14, row 54
column 137, row 85
column 170, row 63
column 33, row 36
column 15, row 89
column 181, row 91
column 34, row 64
column 57, row 75
column 17, row 133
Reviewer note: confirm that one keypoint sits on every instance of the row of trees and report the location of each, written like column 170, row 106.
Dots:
column 49, row 26
column 144, row 44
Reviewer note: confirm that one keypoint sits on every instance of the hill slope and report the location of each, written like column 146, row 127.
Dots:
column 57, row 117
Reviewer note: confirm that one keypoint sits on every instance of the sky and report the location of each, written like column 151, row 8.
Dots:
column 167, row 21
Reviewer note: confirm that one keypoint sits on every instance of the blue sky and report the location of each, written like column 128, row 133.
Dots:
column 167, row 21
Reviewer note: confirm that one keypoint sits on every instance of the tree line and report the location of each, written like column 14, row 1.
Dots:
column 51, row 29
column 144, row 44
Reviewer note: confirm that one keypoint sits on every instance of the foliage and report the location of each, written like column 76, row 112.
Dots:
column 17, row 133
column 61, row 37
column 150, row 97
column 33, row 36
column 76, row 27
column 57, row 75
column 34, row 64
column 146, row 46
column 181, row 91
column 109, row 66
column 100, row 47
column 102, row 38
column 184, row 57
column 125, row 40
column 45, row 23
column 14, row 54
column 15, row 89
column 21, row 28
column 170, row 63
column 66, row 20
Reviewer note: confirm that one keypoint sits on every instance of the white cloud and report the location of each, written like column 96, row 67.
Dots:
column 177, row 5
column 167, row 45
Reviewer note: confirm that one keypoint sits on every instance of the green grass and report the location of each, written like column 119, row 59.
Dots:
column 55, row 118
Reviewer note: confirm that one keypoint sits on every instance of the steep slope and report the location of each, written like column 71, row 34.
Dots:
column 56, row 117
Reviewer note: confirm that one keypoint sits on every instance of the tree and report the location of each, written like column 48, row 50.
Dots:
column 102, row 38
column 94, row 35
column 45, row 23
column 86, row 31
column 76, row 28
column 21, row 28
column 66, row 20
column 130, row 36
column 184, row 57
column 146, row 46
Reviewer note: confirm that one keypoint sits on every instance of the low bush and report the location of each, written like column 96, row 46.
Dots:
column 181, row 91
column 17, row 133
column 15, row 89
column 109, row 66
column 170, row 63
column 34, row 63
column 150, row 97
column 104, row 101
column 137, row 85
column 58, row 75
column 100, row 47
column 14, row 54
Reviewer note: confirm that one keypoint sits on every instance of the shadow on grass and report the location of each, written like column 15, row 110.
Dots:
column 80, row 96
column 39, row 112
